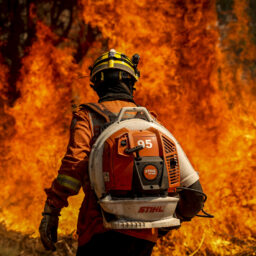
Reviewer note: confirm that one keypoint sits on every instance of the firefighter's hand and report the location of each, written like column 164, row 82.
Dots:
column 48, row 227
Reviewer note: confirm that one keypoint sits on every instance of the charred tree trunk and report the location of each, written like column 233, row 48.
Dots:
column 18, row 20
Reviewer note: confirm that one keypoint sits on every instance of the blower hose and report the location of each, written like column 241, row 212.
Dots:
column 206, row 215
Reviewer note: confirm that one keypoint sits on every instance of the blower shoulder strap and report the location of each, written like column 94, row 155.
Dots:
column 100, row 118
column 101, row 110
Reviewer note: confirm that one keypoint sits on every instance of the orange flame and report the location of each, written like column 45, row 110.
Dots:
column 200, row 88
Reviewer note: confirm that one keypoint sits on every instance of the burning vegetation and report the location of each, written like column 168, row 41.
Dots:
column 198, row 72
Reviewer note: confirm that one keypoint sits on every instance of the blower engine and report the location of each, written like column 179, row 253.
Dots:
column 134, row 171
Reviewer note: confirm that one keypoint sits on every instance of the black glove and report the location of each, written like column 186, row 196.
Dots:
column 48, row 227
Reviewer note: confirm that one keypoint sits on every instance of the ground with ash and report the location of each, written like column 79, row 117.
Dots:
column 17, row 244
column 14, row 243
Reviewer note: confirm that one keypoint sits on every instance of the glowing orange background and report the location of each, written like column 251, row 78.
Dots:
column 202, row 91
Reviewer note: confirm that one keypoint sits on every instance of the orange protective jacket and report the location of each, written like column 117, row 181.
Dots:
column 73, row 174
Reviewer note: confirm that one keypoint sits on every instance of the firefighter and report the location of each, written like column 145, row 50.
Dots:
column 113, row 77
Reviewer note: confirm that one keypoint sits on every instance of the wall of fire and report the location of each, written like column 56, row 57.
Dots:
column 198, row 71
